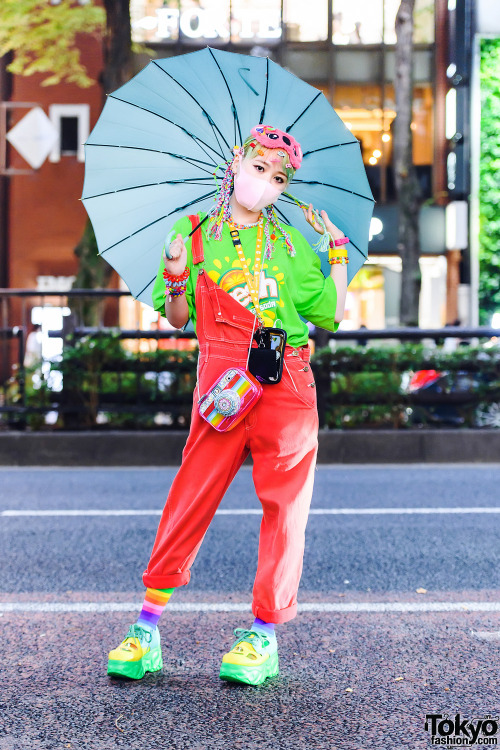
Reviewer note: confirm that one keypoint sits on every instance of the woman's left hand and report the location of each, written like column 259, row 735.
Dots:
column 332, row 229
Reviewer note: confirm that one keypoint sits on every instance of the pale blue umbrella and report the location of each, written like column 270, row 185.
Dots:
column 152, row 156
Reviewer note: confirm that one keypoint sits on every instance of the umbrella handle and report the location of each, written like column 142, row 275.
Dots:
column 168, row 238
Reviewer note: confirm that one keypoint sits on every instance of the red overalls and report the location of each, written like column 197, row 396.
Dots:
column 281, row 432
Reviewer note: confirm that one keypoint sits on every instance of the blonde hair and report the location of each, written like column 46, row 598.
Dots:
column 252, row 149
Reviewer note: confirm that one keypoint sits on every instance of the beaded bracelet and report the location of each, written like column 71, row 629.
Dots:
column 176, row 284
column 176, row 278
column 341, row 257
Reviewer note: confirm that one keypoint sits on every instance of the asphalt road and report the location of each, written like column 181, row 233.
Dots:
column 363, row 663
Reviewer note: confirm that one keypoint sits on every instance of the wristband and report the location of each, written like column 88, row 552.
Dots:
column 341, row 241
column 331, row 246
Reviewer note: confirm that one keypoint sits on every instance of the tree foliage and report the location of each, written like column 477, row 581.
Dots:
column 42, row 37
column 489, row 186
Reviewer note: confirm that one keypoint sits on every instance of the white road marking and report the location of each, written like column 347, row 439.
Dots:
column 446, row 465
column 246, row 607
column 251, row 511
column 486, row 635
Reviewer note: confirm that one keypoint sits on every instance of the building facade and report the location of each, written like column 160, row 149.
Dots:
column 345, row 48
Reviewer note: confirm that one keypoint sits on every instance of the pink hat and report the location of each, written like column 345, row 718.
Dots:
column 271, row 137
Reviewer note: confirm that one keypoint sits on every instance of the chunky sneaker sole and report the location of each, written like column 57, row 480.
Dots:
column 251, row 675
column 135, row 670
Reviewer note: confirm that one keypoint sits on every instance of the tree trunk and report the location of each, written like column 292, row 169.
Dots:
column 93, row 273
column 117, row 45
column 407, row 186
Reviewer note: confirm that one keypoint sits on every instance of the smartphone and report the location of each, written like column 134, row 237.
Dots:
column 266, row 359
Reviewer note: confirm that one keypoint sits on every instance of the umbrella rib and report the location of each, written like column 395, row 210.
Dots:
column 191, row 181
column 261, row 118
column 285, row 218
column 357, row 248
column 190, row 159
column 179, row 208
column 235, row 113
column 303, row 112
column 212, row 123
column 335, row 187
column 193, row 137
column 136, row 296
column 294, row 204
column 334, row 145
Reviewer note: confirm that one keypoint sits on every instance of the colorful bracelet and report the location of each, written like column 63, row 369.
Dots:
column 332, row 246
column 341, row 241
column 176, row 278
column 342, row 259
column 176, row 285
column 176, row 292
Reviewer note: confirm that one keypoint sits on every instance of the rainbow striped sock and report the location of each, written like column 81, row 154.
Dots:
column 154, row 604
column 267, row 627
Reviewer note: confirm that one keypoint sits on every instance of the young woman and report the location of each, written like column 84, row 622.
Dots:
column 265, row 273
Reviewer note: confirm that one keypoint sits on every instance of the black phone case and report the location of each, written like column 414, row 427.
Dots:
column 266, row 364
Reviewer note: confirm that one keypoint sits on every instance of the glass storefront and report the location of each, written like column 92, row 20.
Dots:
column 360, row 107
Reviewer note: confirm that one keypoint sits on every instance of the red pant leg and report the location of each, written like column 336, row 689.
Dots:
column 209, row 463
column 284, row 443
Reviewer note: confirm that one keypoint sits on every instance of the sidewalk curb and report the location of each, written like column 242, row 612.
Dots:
column 121, row 448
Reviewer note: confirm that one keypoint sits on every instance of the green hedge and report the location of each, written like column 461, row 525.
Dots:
column 106, row 385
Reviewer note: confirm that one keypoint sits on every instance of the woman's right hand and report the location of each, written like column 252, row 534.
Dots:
column 177, row 262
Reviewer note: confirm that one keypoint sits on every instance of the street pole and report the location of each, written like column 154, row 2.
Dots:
column 5, row 95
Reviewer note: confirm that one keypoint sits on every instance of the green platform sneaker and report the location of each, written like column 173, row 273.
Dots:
column 252, row 659
column 138, row 653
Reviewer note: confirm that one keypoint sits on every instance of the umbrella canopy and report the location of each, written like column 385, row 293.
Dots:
column 161, row 138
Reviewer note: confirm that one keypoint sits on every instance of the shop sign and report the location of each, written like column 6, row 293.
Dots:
column 199, row 23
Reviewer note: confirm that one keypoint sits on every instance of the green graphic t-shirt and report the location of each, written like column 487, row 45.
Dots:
column 290, row 287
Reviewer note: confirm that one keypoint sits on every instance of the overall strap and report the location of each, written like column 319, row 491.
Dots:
column 196, row 241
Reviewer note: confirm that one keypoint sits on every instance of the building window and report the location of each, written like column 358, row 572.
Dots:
column 360, row 107
column 255, row 21
column 373, row 21
column 69, row 135
column 72, row 122
column 305, row 26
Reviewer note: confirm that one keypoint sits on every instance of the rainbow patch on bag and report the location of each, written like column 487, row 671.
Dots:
column 229, row 399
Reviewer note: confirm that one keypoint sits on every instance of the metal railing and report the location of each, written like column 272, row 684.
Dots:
column 156, row 387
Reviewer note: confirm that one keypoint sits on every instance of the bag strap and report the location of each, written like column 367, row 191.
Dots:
column 196, row 241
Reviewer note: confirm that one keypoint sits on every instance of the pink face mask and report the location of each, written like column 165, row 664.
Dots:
column 252, row 192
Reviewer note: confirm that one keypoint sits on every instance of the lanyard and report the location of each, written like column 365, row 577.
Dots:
column 253, row 281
